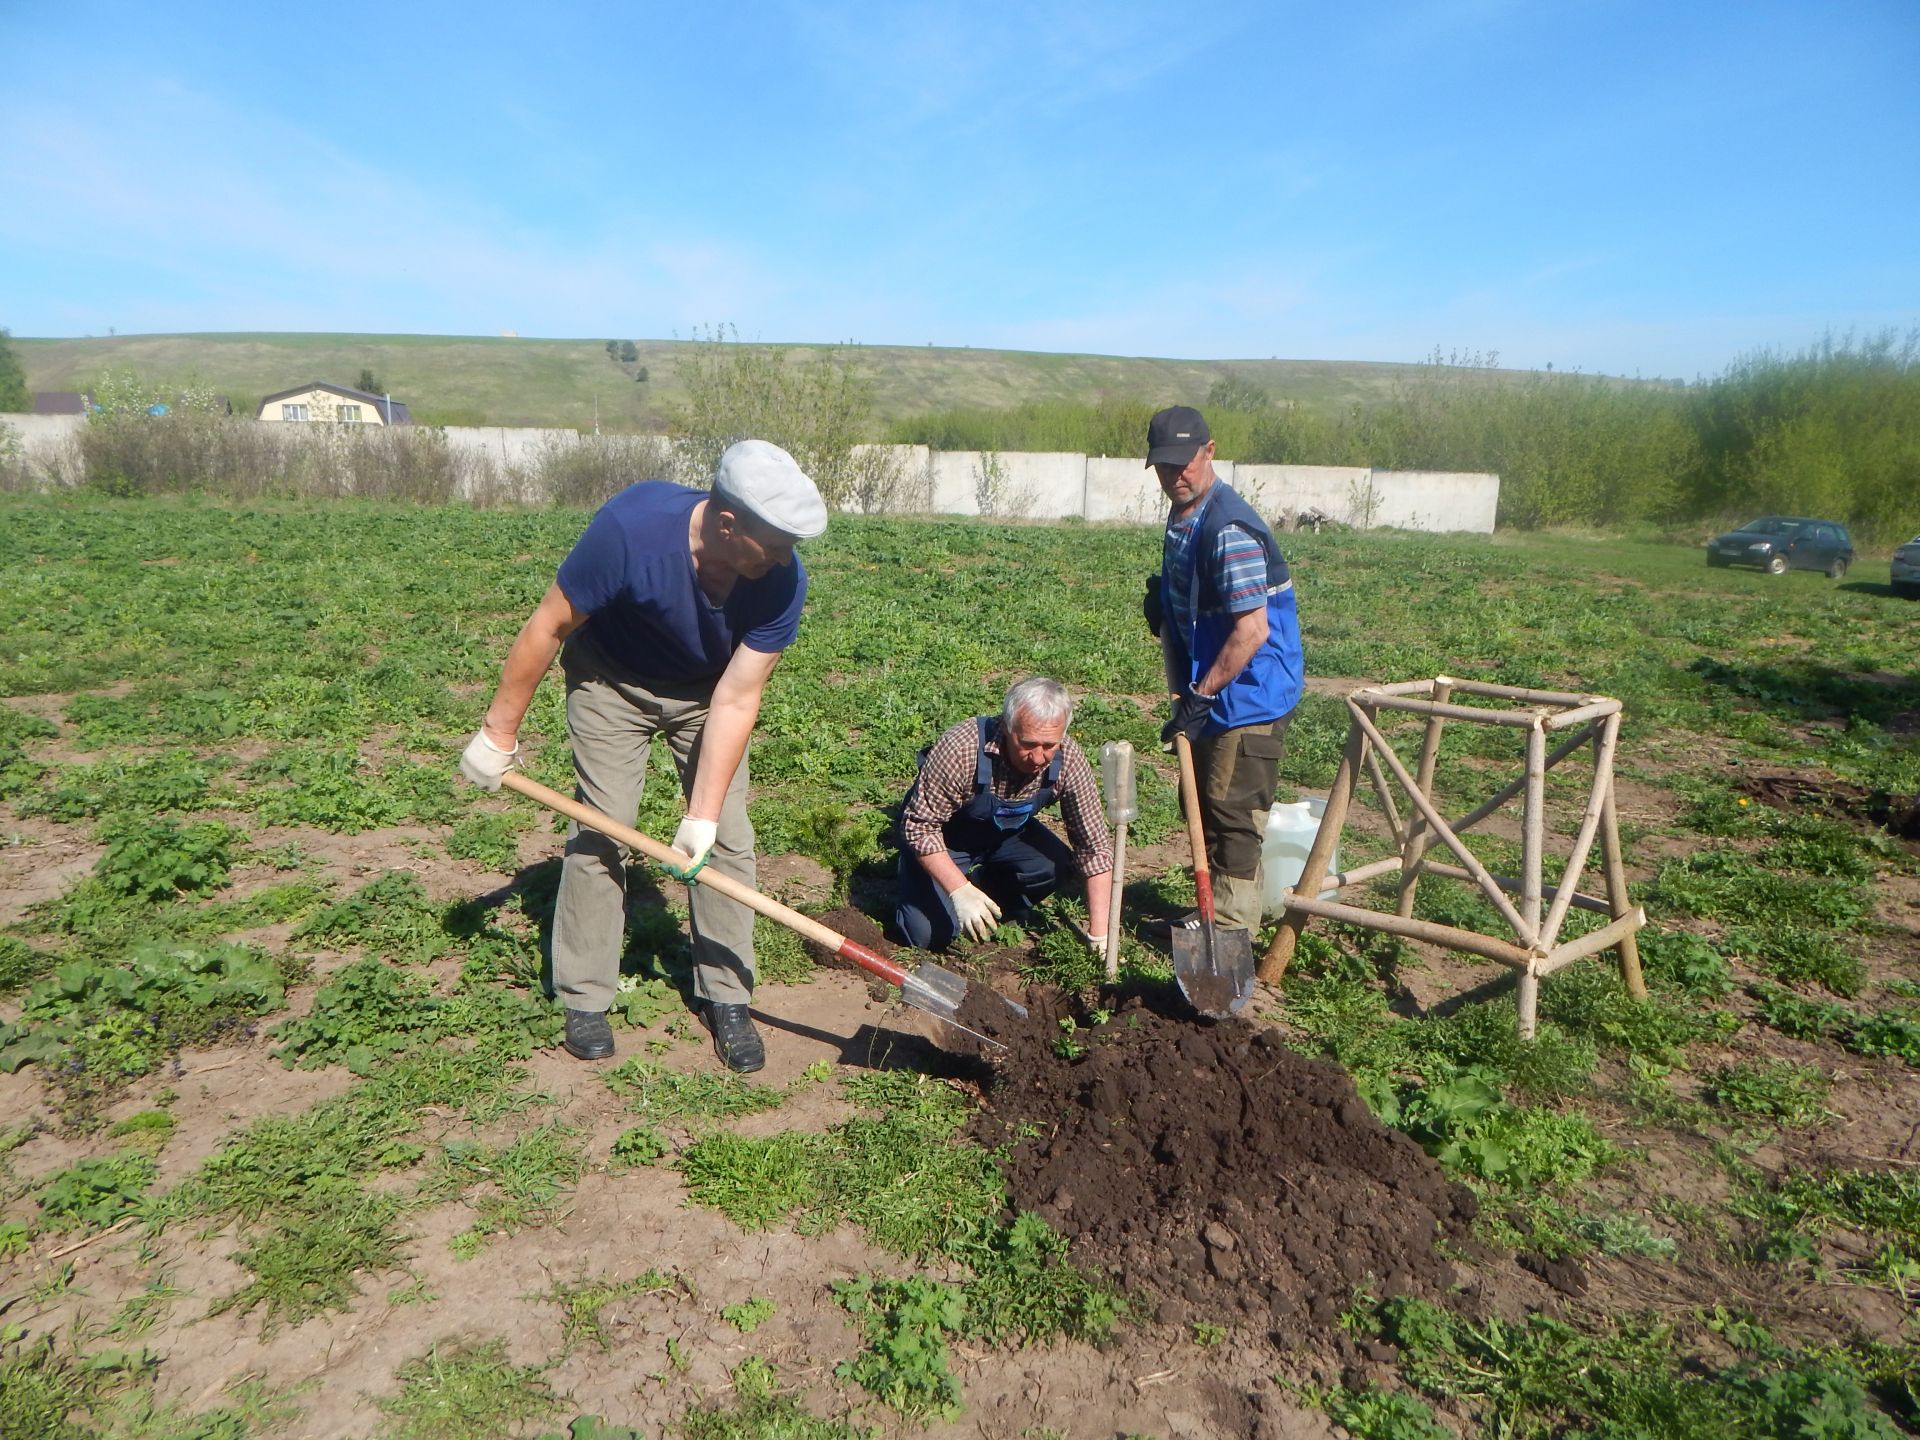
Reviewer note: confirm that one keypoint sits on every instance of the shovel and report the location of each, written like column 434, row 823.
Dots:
column 1215, row 969
column 937, row 991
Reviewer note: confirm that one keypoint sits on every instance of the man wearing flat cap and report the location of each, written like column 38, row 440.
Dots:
column 1223, row 608
column 672, row 608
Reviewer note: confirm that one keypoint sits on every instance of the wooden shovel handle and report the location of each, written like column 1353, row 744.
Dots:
column 1190, row 803
column 804, row 925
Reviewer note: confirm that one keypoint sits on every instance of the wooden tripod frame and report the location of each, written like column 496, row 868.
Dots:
column 1594, row 722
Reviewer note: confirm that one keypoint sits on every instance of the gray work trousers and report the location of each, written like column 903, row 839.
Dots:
column 611, row 722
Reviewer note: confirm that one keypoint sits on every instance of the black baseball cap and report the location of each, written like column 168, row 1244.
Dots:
column 1175, row 435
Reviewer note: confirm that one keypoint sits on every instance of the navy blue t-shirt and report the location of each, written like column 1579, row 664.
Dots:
column 632, row 574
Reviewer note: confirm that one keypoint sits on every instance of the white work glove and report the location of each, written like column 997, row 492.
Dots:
column 694, row 839
column 975, row 910
column 484, row 762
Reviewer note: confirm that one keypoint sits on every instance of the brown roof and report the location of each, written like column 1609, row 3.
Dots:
column 59, row 402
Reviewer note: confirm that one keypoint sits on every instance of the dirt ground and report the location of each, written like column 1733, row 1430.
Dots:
column 1212, row 1170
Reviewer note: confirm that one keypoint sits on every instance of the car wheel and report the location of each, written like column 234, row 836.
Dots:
column 1777, row 565
column 1837, row 570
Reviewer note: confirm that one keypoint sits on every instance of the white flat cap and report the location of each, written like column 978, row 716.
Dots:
column 765, row 480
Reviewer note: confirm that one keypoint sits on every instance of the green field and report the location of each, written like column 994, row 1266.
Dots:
column 474, row 380
column 272, row 1036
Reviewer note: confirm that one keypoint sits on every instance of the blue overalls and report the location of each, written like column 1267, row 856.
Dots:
column 997, row 844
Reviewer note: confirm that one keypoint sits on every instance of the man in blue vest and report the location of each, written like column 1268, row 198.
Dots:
column 1223, row 609
column 972, row 848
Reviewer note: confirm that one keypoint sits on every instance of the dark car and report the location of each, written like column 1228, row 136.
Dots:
column 1779, row 543
column 1906, row 568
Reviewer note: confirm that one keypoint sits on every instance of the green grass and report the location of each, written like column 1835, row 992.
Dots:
column 344, row 660
column 685, row 1098
column 456, row 1392
column 95, row 1192
column 511, row 1187
column 758, row 1410
column 1777, row 1090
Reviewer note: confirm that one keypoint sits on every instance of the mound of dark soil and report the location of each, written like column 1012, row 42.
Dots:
column 1216, row 1168
column 1837, row 799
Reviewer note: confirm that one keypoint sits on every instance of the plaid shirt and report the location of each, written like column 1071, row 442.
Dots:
column 946, row 783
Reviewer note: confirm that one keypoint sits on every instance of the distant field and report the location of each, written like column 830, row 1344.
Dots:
column 490, row 381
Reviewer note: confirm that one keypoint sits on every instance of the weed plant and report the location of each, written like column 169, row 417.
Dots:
column 456, row 1392
column 758, row 1411
column 96, row 1024
column 583, row 1304
column 95, row 1192
column 906, row 1363
column 685, row 1099
column 1774, row 1090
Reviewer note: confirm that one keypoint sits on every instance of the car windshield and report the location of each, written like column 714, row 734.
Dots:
column 1772, row 525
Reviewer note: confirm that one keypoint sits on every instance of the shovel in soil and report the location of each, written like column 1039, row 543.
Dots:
column 1214, row 967
column 939, row 992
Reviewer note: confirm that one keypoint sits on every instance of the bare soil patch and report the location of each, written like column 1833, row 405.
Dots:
column 1215, row 1167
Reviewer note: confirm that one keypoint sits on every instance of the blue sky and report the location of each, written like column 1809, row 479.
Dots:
column 1608, row 185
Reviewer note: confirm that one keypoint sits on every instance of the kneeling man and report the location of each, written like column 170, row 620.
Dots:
column 974, row 851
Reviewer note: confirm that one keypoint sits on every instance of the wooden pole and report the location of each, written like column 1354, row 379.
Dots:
column 1620, row 932
column 1567, row 719
column 1511, row 885
column 1532, row 851
column 1512, row 719
column 1617, row 895
column 830, row 940
column 1521, row 692
column 1361, row 873
column 1453, row 842
column 1450, row 936
column 1416, row 838
column 1513, row 787
column 1273, row 965
column 1583, row 841
column 1391, row 810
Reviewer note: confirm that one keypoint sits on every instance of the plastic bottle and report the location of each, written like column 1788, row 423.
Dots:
column 1283, row 849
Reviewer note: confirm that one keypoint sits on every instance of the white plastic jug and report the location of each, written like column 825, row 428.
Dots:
column 1283, row 851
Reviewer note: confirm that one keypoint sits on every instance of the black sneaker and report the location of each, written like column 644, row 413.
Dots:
column 589, row 1035
column 734, row 1038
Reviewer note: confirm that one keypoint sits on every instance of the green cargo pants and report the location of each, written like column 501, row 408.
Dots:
column 611, row 721
column 1236, row 773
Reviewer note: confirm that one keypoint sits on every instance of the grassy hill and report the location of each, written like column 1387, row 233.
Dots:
column 476, row 380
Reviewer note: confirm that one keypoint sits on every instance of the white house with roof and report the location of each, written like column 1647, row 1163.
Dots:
column 323, row 403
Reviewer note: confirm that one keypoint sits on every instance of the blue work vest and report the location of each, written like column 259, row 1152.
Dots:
column 979, row 823
column 1271, row 684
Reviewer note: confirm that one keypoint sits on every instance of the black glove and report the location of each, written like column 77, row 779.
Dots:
column 1190, row 714
column 1150, row 605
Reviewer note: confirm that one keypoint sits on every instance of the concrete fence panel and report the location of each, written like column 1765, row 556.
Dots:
column 1280, row 492
column 1437, row 500
column 532, row 464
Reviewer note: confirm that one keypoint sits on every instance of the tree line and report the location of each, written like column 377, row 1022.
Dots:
column 1831, row 430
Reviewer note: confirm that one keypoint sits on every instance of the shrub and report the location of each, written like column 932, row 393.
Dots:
column 818, row 408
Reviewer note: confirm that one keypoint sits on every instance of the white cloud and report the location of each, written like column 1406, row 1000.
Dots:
column 282, row 227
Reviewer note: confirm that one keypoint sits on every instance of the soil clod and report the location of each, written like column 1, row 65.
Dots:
column 1215, row 1168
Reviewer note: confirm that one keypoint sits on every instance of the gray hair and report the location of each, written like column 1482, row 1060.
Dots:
column 1041, row 700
